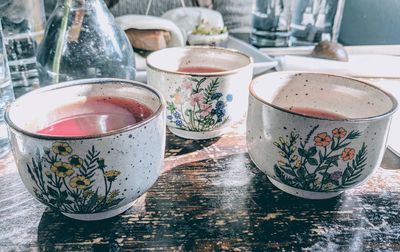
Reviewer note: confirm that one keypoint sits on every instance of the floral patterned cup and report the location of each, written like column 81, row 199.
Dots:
column 92, row 177
column 201, row 105
column 312, row 156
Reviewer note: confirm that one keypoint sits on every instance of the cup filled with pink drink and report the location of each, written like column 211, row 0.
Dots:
column 88, row 148
column 205, row 88
column 316, row 135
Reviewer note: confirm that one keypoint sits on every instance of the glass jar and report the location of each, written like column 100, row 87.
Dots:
column 81, row 41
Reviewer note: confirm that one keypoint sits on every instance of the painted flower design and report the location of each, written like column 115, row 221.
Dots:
column 75, row 161
column 339, row 132
column 111, row 174
column 309, row 167
column 196, row 98
column 187, row 85
column 178, row 99
column 198, row 105
column 79, row 182
column 59, row 185
column 205, row 109
column 62, row 169
column 322, row 139
column 336, row 175
column 61, row 148
column 348, row 154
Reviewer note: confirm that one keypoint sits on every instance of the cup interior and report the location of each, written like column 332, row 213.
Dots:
column 172, row 59
column 38, row 109
column 350, row 98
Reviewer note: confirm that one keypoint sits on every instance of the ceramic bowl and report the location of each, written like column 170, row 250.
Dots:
column 309, row 155
column 92, row 177
column 201, row 105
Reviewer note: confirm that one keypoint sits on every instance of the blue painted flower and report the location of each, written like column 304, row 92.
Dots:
column 220, row 112
column 220, row 105
column 216, row 96
column 177, row 115
column 169, row 117
column 229, row 98
column 178, row 123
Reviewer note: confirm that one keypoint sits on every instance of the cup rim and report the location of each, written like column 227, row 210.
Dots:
column 211, row 74
column 99, row 81
column 370, row 118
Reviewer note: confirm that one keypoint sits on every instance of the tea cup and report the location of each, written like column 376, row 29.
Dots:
column 206, row 88
column 90, row 177
column 316, row 135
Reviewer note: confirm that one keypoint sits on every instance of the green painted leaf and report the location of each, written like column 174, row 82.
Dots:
column 302, row 152
column 64, row 195
column 312, row 161
column 52, row 192
column 288, row 171
column 312, row 151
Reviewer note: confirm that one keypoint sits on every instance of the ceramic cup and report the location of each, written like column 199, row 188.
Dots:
column 92, row 177
column 201, row 105
column 308, row 155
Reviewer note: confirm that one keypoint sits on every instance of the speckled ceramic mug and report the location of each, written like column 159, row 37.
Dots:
column 92, row 177
column 308, row 155
column 201, row 105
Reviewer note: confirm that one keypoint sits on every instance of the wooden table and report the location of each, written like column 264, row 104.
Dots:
column 210, row 197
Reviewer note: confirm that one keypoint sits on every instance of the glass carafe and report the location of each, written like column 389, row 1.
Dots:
column 82, row 40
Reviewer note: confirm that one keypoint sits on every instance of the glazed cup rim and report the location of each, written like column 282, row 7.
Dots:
column 222, row 73
column 370, row 118
column 99, row 81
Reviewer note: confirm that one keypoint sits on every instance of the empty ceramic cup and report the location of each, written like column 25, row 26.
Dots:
column 316, row 135
column 90, row 176
column 206, row 88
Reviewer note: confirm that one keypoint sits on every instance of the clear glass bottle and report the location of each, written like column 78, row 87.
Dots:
column 81, row 41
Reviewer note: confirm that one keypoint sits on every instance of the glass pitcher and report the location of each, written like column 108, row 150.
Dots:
column 81, row 41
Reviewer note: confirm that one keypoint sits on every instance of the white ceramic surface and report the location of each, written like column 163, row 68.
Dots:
column 202, row 105
column 93, row 177
column 309, row 156
column 393, row 87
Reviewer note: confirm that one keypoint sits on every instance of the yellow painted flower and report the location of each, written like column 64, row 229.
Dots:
column 111, row 174
column 114, row 193
column 293, row 149
column 281, row 163
column 282, row 153
column 298, row 164
column 75, row 161
column 62, row 169
column 61, row 148
column 88, row 193
column 80, row 182
column 295, row 157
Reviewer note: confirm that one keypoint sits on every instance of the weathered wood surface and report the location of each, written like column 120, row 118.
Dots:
column 210, row 197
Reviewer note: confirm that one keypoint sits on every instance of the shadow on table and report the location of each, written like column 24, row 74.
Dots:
column 176, row 146
column 224, row 204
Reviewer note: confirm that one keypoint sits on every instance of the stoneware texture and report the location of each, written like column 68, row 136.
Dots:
column 201, row 105
column 92, row 177
column 315, row 157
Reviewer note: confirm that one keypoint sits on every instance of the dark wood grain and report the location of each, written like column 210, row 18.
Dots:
column 210, row 197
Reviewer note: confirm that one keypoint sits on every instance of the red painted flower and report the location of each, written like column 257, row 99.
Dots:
column 322, row 139
column 348, row 154
column 339, row 132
